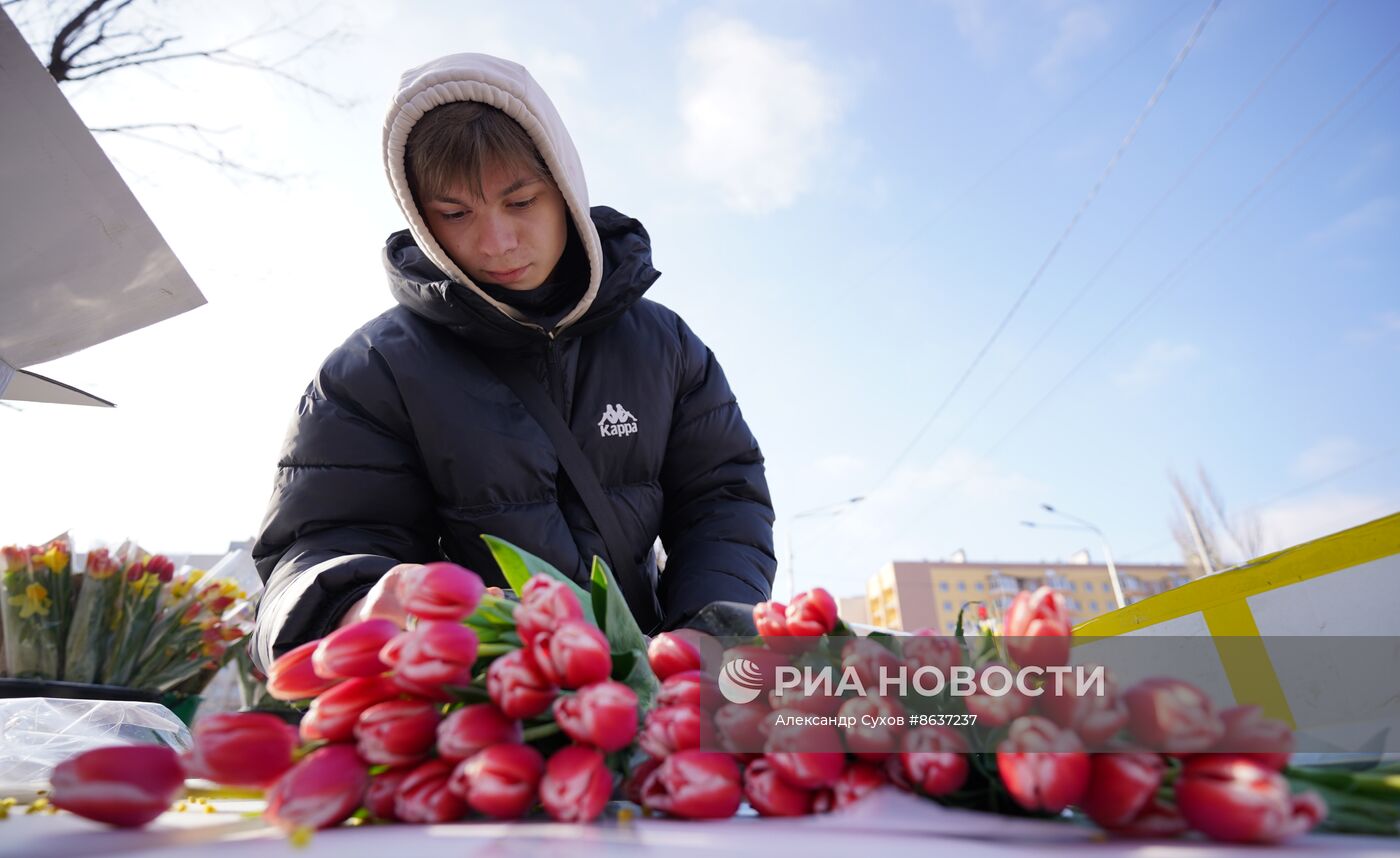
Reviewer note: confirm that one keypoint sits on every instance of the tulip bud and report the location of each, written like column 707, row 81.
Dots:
column 1172, row 716
column 876, row 725
column 1043, row 766
column 353, row 650
column 333, row 715
column 473, row 728
column 545, row 604
column 806, row 755
column 770, row 618
column 671, row 729
column 396, row 732
column 1096, row 718
column 856, row 782
column 437, row 655
column 126, row 786
column 241, row 749
column 636, row 778
column 740, row 727
column 1266, row 741
column 870, row 660
column 320, row 791
column 501, row 781
column 517, row 687
column 573, row 655
column 424, row 796
column 1157, row 820
column 1120, row 786
column 675, row 652
column 383, row 790
column 603, row 715
column 576, row 784
column 1037, row 629
column 1239, row 801
column 441, row 591
column 770, row 795
column 694, row 785
column 811, row 614
column 293, row 675
column 933, row 760
column 925, row 648
column 996, row 710
column 691, row 688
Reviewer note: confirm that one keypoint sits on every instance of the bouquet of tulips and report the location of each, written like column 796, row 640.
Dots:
column 38, row 598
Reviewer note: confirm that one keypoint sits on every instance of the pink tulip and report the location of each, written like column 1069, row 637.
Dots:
column 441, row 591
column 125, row 786
column 1239, row 801
column 437, row 655
column 576, row 785
column 1096, row 718
column 500, row 781
column 517, row 687
column 397, row 732
column 573, row 655
column 992, row 710
column 809, row 756
column 1120, row 786
column 1172, row 716
column 933, row 760
column 671, row 729
column 691, row 688
column 740, row 727
column 875, row 726
column 856, row 782
column 694, row 785
column 392, row 652
column 818, row 702
column 770, row 795
column 293, row 675
column 241, row 749
column 1157, row 820
column 353, row 650
column 811, row 614
column 603, row 715
column 320, row 791
column 871, row 661
column 474, row 727
column 424, row 796
column 333, row 715
column 926, row 648
column 545, row 605
column 1043, row 766
column 1266, row 741
column 383, row 790
column 674, row 652
column 1037, row 629
column 636, row 777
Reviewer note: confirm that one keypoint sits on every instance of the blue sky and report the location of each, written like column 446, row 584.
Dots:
column 804, row 170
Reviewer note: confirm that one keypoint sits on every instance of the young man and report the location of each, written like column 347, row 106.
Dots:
column 409, row 445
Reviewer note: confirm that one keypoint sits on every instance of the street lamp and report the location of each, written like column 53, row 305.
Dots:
column 826, row 509
column 1081, row 524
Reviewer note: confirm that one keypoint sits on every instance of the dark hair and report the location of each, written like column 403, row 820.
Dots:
column 455, row 142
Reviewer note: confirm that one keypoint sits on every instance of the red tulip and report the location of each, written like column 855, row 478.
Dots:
column 1266, row 741
column 872, row 662
column 996, row 711
column 694, row 785
column 333, row 715
column 573, row 655
column 875, row 727
column 636, row 778
column 1120, row 786
column 424, row 796
column 1095, row 718
column 603, row 715
column 740, row 727
column 383, row 790
column 933, row 760
column 1172, row 716
column 770, row 618
column 500, row 781
column 441, row 591
column 243, row 749
column 856, row 782
column 397, row 732
column 795, row 697
column 671, row 729
column 926, row 648
column 320, row 791
column 1239, row 801
column 126, row 786
column 1156, row 820
column 353, row 650
column 1037, row 629
column 674, row 652
column 517, row 687
column 1043, row 766
column 809, row 756
column 392, row 652
column 811, row 614
column 770, row 795
column 576, row 784
column 474, row 727
column 691, row 688
column 293, row 676
column 545, row 604
column 437, row 655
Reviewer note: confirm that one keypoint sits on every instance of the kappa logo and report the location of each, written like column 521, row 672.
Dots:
column 617, row 422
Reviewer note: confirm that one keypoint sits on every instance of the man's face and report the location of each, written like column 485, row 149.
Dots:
column 514, row 237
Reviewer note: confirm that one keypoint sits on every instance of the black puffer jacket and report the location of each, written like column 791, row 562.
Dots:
column 406, row 448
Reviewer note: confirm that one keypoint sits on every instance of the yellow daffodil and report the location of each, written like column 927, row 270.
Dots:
column 55, row 558
column 146, row 584
column 34, row 601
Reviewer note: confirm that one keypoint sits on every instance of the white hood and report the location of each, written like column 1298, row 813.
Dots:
column 510, row 88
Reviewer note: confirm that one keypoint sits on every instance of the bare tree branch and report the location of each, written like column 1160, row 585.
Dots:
column 213, row 154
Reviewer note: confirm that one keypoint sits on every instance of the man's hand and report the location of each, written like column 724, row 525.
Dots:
column 385, row 600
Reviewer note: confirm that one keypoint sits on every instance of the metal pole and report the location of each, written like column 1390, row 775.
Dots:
column 828, row 509
column 1107, row 554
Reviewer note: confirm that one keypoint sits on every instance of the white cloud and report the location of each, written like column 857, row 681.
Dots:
column 1081, row 28
column 1155, row 363
column 1326, row 457
column 758, row 113
column 1292, row 523
column 1373, row 214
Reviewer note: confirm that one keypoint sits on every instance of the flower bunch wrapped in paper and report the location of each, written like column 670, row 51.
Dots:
column 93, row 627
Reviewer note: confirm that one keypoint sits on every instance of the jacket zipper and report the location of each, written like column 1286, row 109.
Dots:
column 555, row 374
